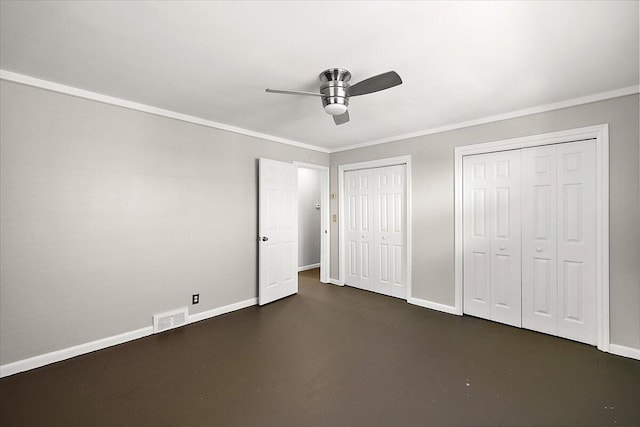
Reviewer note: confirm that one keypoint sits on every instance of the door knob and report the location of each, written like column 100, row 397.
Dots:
column 538, row 249
column 502, row 248
column 265, row 238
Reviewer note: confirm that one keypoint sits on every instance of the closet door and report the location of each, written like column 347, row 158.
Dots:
column 506, row 240
column 539, row 242
column 533, row 267
column 559, row 243
column 492, row 236
column 359, row 235
column 390, row 224
column 577, row 309
column 476, row 203
column 375, row 231
column 352, row 228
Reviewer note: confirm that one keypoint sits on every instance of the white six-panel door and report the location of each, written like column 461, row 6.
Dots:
column 558, row 238
column 539, row 240
column 559, row 255
column 477, row 240
column 359, row 235
column 375, row 231
column 389, row 237
column 352, row 228
column 577, row 241
column 278, row 229
column 492, row 255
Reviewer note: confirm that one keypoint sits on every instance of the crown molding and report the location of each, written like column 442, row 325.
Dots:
column 81, row 93
column 631, row 90
column 105, row 99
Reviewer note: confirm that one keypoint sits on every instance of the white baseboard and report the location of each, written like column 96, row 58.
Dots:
column 77, row 350
column 621, row 350
column 336, row 282
column 449, row 309
column 308, row 267
column 222, row 310
column 68, row 353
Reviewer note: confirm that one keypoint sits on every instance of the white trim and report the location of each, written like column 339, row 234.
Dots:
column 392, row 161
column 105, row 99
column 602, row 236
column 308, row 267
column 621, row 350
column 78, row 350
column 68, row 353
column 449, row 309
column 601, row 134
column 336, row 282
column 603, row 96
column 325, row 217
column 222, row 310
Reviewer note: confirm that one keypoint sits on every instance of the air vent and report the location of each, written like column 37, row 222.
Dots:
column 170, row 320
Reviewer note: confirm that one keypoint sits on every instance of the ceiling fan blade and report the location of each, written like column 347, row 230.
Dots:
column 292, row 92
column 341, row 118
column 376, row 83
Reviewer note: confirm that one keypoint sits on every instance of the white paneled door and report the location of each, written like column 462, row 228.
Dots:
column 491, row 215
column 389, row 218
column 539, row 240
column 375, row 230
column 552, row 237
column 278, row 231
column 577, row 241
column 358, row 231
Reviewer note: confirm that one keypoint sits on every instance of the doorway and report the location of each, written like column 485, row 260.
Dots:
column 313, row 218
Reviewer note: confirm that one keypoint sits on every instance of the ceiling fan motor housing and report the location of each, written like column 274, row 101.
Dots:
column 335, row 99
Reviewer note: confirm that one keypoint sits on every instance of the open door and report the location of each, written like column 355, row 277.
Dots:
column 278, row 230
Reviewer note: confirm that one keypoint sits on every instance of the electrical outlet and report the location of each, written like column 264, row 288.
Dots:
column 195, row 298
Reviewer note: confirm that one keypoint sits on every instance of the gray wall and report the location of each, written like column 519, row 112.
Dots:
column 110, row 215
column 308, row 217
column 433, row 210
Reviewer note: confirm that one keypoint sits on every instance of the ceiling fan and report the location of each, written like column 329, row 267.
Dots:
column 336, row 91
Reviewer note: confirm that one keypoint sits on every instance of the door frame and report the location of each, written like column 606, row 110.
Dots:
column 392, row 161
column 600, row 133
column 325, row 217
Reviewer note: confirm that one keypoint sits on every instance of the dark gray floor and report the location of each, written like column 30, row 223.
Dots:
column 336, row 357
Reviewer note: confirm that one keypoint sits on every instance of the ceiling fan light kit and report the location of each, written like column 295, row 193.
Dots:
column 335, row 90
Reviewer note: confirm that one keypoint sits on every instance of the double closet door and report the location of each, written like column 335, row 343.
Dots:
column 530, row 238
column 375, row 230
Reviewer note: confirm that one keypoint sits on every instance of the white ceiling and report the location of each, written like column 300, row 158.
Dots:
column 460, row 61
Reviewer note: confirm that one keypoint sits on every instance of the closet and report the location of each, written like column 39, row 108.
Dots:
column 375, row 230
column 529, row 236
